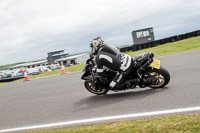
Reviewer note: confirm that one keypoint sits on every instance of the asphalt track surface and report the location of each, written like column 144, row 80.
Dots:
column 63, row 98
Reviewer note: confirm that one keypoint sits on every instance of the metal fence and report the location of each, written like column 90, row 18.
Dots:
column 161, row 41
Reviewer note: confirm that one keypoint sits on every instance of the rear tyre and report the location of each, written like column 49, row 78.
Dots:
column 162, row 76
column 94, row 89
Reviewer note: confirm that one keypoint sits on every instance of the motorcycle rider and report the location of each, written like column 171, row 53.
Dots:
column 111, row 58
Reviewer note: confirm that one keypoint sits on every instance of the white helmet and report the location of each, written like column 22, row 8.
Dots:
column 95, row 45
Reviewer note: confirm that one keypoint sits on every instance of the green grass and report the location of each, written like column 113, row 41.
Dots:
column 171, row 48
column 189, row 123
column 123, row 46
column 161, row 50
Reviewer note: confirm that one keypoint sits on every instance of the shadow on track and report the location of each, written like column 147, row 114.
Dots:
column 96, row 101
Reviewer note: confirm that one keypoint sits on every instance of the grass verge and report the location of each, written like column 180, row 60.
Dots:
column 161, row 50
column 171, row 48
column 187, row 123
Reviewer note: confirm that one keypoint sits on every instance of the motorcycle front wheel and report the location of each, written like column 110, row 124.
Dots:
column 95, row 89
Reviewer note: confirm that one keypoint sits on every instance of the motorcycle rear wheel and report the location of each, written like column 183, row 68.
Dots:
column 161, row 74
column 94, row 89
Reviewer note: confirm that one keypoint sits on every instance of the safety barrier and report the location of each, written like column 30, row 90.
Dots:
column 10, row 79
column 160, row 42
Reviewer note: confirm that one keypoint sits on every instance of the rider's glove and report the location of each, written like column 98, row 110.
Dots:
column 91, row 56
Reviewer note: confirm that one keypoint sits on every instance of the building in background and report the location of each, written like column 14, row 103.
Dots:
column 55, row 58
column 72, row 60
column 143, row 35
column 30, row 64
column 54, row 55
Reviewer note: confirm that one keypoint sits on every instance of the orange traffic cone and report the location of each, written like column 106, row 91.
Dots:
column 25, row 75
column 62, row 68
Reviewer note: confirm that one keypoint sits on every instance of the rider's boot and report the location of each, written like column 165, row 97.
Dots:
column 131, row 83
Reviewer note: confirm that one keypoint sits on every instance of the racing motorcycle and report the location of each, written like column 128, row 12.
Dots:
column 146, row 72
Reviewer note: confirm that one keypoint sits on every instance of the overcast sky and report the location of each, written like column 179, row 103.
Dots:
column 29, row 29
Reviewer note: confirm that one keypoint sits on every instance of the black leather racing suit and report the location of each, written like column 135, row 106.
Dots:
column 111, row 58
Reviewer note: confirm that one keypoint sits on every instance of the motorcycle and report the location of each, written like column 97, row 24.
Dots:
column 146, row 72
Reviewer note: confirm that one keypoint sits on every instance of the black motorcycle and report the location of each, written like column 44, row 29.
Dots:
column 146, row 72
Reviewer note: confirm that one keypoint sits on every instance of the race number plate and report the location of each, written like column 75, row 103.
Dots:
column 155, row 64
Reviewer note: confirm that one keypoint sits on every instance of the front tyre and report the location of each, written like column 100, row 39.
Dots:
column 94, row 89
column 159, row 77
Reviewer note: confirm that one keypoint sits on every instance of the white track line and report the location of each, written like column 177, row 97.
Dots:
column 145, row 114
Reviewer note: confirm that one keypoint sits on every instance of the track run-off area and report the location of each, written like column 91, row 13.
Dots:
column 62, row 100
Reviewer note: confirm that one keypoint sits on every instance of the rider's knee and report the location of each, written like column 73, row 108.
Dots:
column 112, row 85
